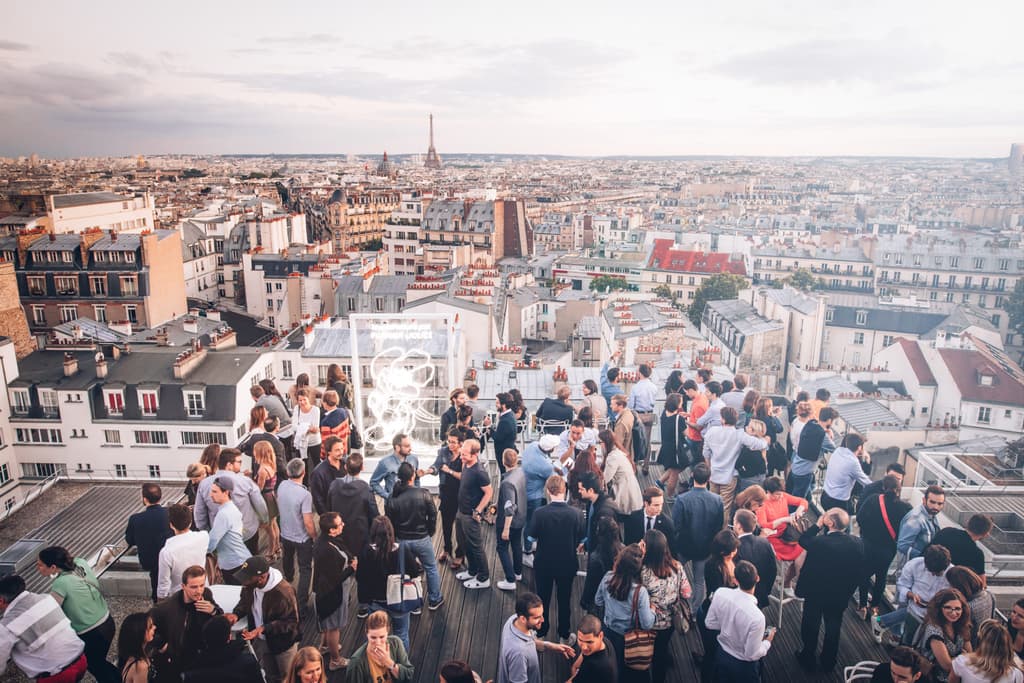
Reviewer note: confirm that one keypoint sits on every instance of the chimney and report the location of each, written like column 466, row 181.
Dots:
column 213, row 315
column 190, row 325
column 307, row 339
column 101, row 365
column 121, row 327
column 70, row 365
column 188, row 360
column 224, row 338
column 161, row 337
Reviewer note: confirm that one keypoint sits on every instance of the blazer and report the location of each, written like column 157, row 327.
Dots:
column 148, row 531
column 633, row 528
column 833, row 569
column 602, row 507
column 558, row 528
column 556, row 410
column 697, row 516
column 504, row 434
column 759, row 552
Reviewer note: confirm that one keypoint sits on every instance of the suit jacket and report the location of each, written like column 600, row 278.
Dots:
column 697, row 516
column 602, row 507
column 558, row 528
column 833, row 568
column 504, row 434
column 148, row 531
column 634, row 527
column 555, row 409
column 759, row 552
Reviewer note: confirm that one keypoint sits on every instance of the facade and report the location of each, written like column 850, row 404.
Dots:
column 356, row 215
column 749, row 342
column 493, row 229
column 402, row 235
column 835, row 269
column 203, row 263
column 803, row 317
column 591, row 342
column 374, row 294
column 73, row 213
column 282, row 288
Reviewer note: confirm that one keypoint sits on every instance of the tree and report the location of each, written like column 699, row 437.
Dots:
column 1015, row 307
column 192, row 173
column 802, row 279
column 715, row 288
column 663, row 292
column 372, row 245
column 608, row 283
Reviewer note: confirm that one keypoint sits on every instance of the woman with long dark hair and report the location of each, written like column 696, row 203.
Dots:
column 593, row 399
column 674, row 454
column 619, row 476
column 585, row 462
column 333, row 564
column 719, row 572
column 378, row 561
column 133, row 649
column 77, row 590
column 448, row 468
column 607, row 544
column 620, row 589
column 338, row 381
column 945, row 632
column 666, row 582
column 210, row 457
column 519, row 410
column 302, row 382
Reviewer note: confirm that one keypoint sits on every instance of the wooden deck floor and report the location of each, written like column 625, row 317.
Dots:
column 468, row 625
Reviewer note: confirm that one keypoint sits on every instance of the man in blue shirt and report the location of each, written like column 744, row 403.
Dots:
column 537, row 466
column 920, row 525
column 713, row 415
column 697, row 516
column 386, row 473
column 844, row 471
column 641, row 399
column 609, row 380
column 517, row 654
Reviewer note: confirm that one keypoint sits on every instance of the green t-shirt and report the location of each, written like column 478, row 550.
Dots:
column 79, row 591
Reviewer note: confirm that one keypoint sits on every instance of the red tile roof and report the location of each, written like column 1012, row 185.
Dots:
column 664, row 257
column 969, row 367
column 917, row 362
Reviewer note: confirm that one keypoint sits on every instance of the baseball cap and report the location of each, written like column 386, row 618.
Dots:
column 548, row 442
column 225, row 483
column 256, row 565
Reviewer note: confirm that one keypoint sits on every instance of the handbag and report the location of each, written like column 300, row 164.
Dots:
column 355, row 439
column 682, row 616
column 404, row 594
column 638, row 650
column 794, row 530
column 214, row 576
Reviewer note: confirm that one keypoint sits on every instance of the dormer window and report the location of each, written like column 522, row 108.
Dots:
column 20, row 403
column 114, row 398
column 48, row 402
column 148, row 402
column 985, row 380
column 862, row 317
column 195, row 403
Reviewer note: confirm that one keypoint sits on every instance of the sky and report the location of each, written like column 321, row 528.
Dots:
column 557, row 77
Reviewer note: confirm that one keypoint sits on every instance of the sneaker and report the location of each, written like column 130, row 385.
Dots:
column 363, row 612
column 473, row 584
column 528, row 560
column 338, row 665
column 506, row 585
column 877, row 630
column 417, row 611
column 570, row 641
column 463, row 575
column 434, row 605
column 519, row 577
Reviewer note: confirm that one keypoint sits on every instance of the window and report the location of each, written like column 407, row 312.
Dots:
column 933, row 296
column 829, row 313
column 115, row 402
column 898, row 259
column 968, row 281
column 858, row 338
column 351, row 303
column 130, row 312
column 154, row 471
column 1004, row 264
column 66, row 285
column 35, row 435
column 194, row 404
column 979, row 263
column 203, row 438
column 949, row 297
column 43, row 469
column 1001, row 284
column 38, row 315
column 862, row 317
column 378, row 304
column 37, row 285
column 270, row 288
column 149, row 401
column 286, row 368
column 112, row 437
column 5, row 474
column 270, row 320
column 1007, row 414
column 146, row 437
column 20, row 403
column 120, row 471
column 270, row 304
column 68, row 313
column 954, row 261
column 129, row 285
column 98, row 285
column 887, row 340
column 917, row 259
column 996, row 319
column 48, row 401
column 277, row 286
column 984, row 414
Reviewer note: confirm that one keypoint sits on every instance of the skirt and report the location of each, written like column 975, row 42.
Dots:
column 338, row 619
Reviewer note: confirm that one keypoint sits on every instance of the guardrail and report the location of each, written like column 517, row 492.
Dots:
column 116, row 551
column 37, row 490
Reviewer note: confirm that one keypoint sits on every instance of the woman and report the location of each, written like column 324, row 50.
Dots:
column 750, row 400
column 519, row 410
column 607, row 546
column 302, row 382
column 379, row 560
column 1015, row 625
column 674, row 454
column 803, row 416
column 464, row 421
column 666, row 583
column 586, row 416
column 791, row 408
column 456, row 399
column 585, row 462
column 774, row 514
column 448, row 467
column 945, row 632
column 592, row 399
column 766, row 412
column 77, row 590
column 980, row 601
column 674, row 383
column 719, row 572
column 620, row 589
column 382, row 658
column 196, row 472
column 751, row 465
column 307, row 667
column 753, row 498
column 333, row 564
column 619, row 477
column 265, row 476
column 307, row 429
column 133, row 643
column 992, row 662
column 337, row 381
column 211, row 458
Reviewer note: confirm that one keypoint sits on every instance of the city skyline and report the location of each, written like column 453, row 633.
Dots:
column 571, row 80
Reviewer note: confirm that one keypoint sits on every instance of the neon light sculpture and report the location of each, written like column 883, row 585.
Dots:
column 395, row 403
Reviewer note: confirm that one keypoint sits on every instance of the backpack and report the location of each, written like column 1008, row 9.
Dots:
column 640, row 445
column 811, row 438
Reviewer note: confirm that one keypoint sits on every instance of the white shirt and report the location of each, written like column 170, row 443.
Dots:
column 967, row 673
column 178, row 554
column 60, row 648
column 303, row 437
column 273, row 578
column 722, row 445
column 740, row 624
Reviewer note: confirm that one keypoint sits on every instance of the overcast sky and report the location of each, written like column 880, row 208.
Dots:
column 557, row 77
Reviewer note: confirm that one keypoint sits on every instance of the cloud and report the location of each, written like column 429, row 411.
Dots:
column 303, row 39
column 132, row 60
column 13, row 46
column 55, row 84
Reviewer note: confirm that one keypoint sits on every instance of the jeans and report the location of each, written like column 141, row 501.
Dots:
column 471, row 538
column 799, row 485
column 447, row 527
column 510, row 553
column 302, row 553
column 744, row 484
column 423, row 549
column 662, row 656
column 814, row 614
column 876, row 565
column 545, row 583
column 253, row 543
column 696, row 451
column 399, row 622
column 697, row 584
column 532, row 505
column 737, row 670
column 97, row 644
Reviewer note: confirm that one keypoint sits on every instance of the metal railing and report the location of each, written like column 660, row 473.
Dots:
column 37, row 490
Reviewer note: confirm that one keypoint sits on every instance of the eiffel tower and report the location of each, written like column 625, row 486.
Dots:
column 433, row 160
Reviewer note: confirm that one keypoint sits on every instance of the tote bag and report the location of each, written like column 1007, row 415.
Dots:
column 404, row 594
column 639, row 642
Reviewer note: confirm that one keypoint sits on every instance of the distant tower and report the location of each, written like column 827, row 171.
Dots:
column 1017, row 157
column 433, row 160
column 385, row 169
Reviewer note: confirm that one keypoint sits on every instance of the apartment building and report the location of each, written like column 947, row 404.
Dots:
column 493, row 229
column 402, row 235
column 683, row 271
column 356, row 215
column 749, row 342
column 73, row 213
column 836, row 269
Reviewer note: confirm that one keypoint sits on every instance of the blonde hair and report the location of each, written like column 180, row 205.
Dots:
column 263, row 455
column 994, row 657
column 197, row 469
column 757, row 428
column 510, row 457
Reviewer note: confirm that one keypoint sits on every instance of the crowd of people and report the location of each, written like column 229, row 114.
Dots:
column 287, row 519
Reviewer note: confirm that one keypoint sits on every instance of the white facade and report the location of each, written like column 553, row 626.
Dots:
column 104, row 210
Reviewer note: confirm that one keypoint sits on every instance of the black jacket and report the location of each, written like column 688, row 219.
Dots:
column 873, row 531
column 332, row 564
column 557, row 410
column 833, row 569
column 412, row 512
column 320, row 483
column 503, row 434
column 558, row 528
column 147, row 531
column 180, row 626
column 234, row 663
column 353, row 500
column 280, row 457
column 602, row 507
column 759, row 552
column 634, row 528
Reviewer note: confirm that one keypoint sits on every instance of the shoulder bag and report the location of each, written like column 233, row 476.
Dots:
column 794, row 530
column 404, row 594
column 885, row 518
column 639, row 642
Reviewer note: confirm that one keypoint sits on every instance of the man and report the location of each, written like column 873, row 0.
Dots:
column 878, row 531
column 609, row 379
column 186, row 548
column 511, row 520
column 274, row 406
column 450, row 418
column 918, row 582
column 479, row 409
column 639, row 522
column 875, row 487
column 268, row 602
column 537, row 467
column 713, row 415
column 245, row 494
column 295, row 504
column 573, row 441
column 324, row 474
column 596, row 661
column 179, row 620
column 268, row 433
column 820, row 400
column 413, row 515
column 919, row 527
column 517, row 653
column 815, row 439
column 475, row 493
column 36, row 635
column 641, row 400
column 227, row 660
column 598, row 504
column 844, row 471
column 832, row 570
column 698, row 406
column 623, row 427
column 352, row 498
column 147, row 531
column 722, row 445
column 386, row 473
column 734, row 398
column 557, row 529
column 503, row 434
column 963, row 543
column 905, row 665
column 226, row 540
column 757, row 551
column 556, row 410
column 742, row 639
column 697, row 516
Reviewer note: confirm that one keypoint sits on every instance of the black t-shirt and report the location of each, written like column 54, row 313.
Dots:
column 471, row 488
column 598, row 667
column 962, row 548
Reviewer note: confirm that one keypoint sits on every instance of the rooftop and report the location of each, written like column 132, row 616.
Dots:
column 665, row 257
column 67, row 201
column 744, row 317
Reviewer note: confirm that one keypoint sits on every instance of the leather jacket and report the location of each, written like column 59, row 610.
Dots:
column 412, row 512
